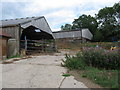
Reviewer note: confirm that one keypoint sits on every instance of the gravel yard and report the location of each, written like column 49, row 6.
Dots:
column 43, row 71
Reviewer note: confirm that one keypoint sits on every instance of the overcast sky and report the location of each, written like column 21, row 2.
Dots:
column 57, row 12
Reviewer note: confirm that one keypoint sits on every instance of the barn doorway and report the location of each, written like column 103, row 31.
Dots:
column 35, row 40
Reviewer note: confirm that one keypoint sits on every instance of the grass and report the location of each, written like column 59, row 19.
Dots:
column 105, row 78
column 15, row 56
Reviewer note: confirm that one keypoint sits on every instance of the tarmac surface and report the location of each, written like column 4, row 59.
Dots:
column 43, row 71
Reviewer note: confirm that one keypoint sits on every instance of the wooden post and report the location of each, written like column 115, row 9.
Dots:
column 42, row 45
column 45, row 45
column 25, row 44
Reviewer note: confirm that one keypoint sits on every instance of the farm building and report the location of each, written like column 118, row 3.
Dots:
column 3, row 44
column 27, row 33
column 74, row 35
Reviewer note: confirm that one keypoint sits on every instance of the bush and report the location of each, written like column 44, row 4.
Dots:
column 95, row 57
column 74, row 62
column 101, row 58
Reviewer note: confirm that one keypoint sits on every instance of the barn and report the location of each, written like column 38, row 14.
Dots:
column 3, row 44
column 80, row 36
column 27, row 33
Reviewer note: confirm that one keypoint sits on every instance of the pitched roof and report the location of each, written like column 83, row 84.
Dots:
column 12, row 22
column 67, row 34
column 38, row 22
column 73, row 34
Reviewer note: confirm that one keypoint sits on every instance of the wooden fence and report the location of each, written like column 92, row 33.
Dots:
column 32, row 46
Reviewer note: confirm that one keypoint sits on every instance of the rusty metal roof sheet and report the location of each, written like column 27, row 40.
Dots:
column 4, row 34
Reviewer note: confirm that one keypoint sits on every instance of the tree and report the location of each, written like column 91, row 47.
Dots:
column 85, row 21
column 108, row 22
column 66, row 27
column 97, row 36
column 116, row 7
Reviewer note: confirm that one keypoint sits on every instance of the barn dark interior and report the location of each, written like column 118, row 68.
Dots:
column 33, row 33
column 34, row 39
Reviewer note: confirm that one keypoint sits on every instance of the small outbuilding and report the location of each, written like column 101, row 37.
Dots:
column 3, row 45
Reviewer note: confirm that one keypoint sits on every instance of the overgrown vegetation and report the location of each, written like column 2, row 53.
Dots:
column 101, row 58
column 99, row 65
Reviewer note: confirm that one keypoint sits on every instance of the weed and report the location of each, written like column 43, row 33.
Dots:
column 66, row 75
column 74, row 62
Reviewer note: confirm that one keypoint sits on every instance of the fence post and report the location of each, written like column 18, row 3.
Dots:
column 25, row 43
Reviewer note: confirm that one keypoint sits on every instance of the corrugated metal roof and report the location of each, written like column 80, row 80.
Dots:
column 73, row 34
column 12, row 22
column 67, row 34
column 40, row 23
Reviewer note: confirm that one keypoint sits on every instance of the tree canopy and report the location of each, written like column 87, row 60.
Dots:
column 85, row 21
column 105, row 26
column 66, row 27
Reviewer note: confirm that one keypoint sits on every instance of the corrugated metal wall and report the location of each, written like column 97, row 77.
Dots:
column 73, row 34
column 87, row 34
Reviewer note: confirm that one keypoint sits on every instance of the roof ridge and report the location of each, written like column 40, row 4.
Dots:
column 17, row 21
column 22, row 18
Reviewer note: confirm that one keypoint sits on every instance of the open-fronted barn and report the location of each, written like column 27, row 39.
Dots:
column 30, row 29
column 82, row 35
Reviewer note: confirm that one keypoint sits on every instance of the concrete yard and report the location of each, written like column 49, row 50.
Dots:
column 43, row 71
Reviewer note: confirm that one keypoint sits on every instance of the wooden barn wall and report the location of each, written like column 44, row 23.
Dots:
column 12, row 31
column 14, row 41
column 3, row 48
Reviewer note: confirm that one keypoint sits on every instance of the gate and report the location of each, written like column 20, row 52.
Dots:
column 37, row 46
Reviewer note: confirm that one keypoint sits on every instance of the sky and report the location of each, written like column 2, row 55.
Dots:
column 57, row 12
